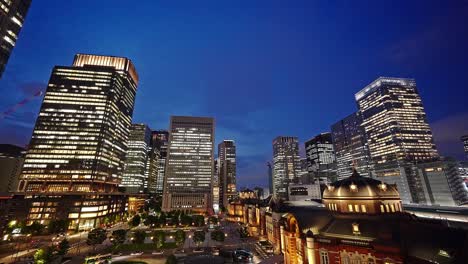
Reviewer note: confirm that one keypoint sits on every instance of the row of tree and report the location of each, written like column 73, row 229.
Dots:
column 48, row 254
column 176, row 218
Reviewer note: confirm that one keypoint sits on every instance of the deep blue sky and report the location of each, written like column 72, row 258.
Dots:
column 261, row 68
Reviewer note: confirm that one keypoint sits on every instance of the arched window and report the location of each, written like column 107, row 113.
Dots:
column 382, row 208
column 356, row 208
column 324, row 257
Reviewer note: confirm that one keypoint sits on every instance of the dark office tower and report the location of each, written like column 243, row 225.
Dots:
column 152, row 170
column 397, row 133
column 227, row 172
column 160, row 140
column 286, row 164
column 321, row 156
column 12, row 16
column 135, row 175
column 465, row 144
column 11, row 161
column 350, row 147
column 270, row 178
column 189, row 168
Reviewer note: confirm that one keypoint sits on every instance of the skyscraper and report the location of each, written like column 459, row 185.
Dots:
column 135, row 175
column 80, row 137
column 189, row 168
column 397, row 133
column 227, row 171
column 160, row 140
column 350, row 145
column 465, row 144
column 286, row 164
column 321, row 156
column 12, row 16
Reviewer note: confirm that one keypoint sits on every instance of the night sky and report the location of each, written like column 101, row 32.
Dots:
column 261, row 68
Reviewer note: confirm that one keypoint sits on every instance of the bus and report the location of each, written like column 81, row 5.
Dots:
column 99, row 259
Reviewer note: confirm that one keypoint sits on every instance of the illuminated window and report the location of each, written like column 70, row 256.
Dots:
column 387, row 209
column 350, row 207
column 356, row 208
column 324, row 257
column 382, row 209
column 363, row 208
column 392, row 207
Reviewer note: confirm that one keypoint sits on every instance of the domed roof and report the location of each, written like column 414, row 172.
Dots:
column 358, row 187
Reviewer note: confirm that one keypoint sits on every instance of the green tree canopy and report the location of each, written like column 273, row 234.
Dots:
column 135, row 221
column 186, row 220
column 199, row 236
column 63, row 247
column 96, row 237
column 139, row 237
column 213, row 220
column 43, row 255
column 218, row 235
column 159, row 237
column 199, row 220
column 179, row 237
column 57, row 226
column 119, row 236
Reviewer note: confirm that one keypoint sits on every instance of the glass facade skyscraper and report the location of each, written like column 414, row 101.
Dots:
column 160, row 141
column 350, row 145
column 227, row 172
column 190, row 164
column 12, row 16
column 135, row 175
column 77, row 151
column 398, row 134
column 286, row 165
column 80, row 137
column 320, row 156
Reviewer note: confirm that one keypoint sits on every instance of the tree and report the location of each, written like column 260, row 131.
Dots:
column 198, row 220
column 179, row 237
column 136, row 220
column 243, row 232
column 213, row 220
column 218, row 235
column 186, row 220
column 57, row 226
column 151, row 220
column 171, row 260
column 35, row 228
column 199, row 237
column 63, row 247
column 96, row 237
column 118, row 237
column 159, row 237
column 43, row 255
column 139, row 237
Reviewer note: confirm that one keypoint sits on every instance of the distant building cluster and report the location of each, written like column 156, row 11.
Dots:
column 388, row 139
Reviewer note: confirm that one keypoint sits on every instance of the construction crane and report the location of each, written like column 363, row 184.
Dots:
column 13, row 109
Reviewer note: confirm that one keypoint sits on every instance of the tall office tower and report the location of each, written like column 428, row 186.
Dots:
column 227, row 171
column 397, row 133
column 216, row 186
column 11, row 161
column 321, row 156
column 160, row 140
column 465, row 144
column 189, row 168
column 152, row 170
column 286, row 165
column 12, row 16
column 350, row 145
column 135, row 175
column 80, row 137
column 270, row 178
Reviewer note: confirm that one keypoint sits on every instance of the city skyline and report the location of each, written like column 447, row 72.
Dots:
column 258, row 115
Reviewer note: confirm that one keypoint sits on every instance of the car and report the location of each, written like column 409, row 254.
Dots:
column 198, row 250
column 243, row 255
column 157, row 252
column 137, row 253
